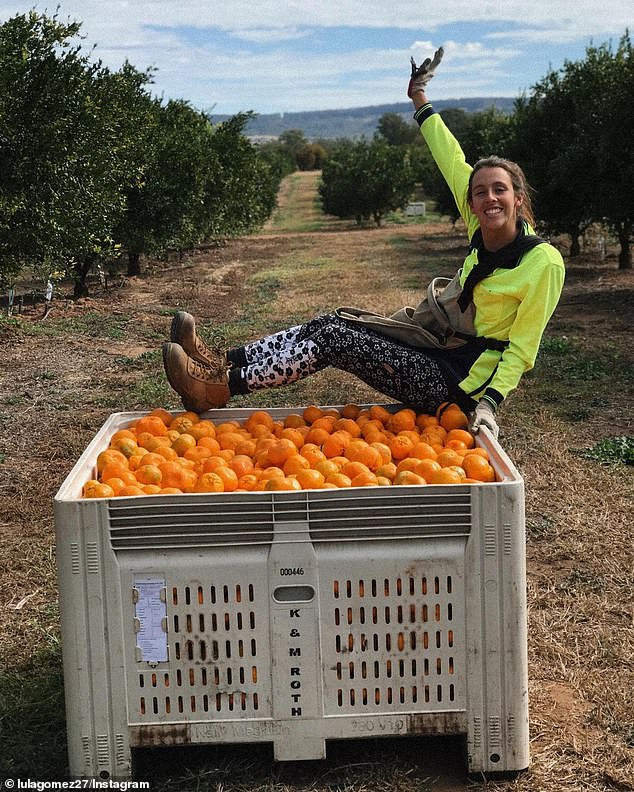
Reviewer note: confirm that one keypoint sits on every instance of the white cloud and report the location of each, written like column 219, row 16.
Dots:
column 261, row 70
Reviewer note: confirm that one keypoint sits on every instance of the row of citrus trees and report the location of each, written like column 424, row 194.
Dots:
column 91, row 165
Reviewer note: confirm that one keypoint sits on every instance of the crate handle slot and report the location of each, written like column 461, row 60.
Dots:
column 294, row 594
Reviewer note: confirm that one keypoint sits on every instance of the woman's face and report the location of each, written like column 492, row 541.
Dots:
column 494, row 202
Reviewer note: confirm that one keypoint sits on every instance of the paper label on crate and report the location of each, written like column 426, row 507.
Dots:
column 150, row 612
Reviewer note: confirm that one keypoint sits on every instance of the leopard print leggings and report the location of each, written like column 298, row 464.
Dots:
column 401, row 372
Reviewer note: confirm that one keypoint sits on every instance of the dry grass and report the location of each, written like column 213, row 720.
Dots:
column 60, row 378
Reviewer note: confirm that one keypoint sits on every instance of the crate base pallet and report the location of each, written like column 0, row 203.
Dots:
column 293, row 618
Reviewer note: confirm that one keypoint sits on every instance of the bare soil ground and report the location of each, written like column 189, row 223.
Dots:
column 61, row 377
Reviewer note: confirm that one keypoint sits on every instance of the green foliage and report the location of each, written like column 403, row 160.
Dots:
column 310, row 157
column 572, row 135
column 90, row 162
column 66, row 149
column 365, row 180
column 279, row 160
column 612, row 450
column 393, row 128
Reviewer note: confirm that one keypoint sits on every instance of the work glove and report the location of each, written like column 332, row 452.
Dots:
column 483, row 415
column 422, row 74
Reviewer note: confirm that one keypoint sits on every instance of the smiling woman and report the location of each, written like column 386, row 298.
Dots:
column 504, row 296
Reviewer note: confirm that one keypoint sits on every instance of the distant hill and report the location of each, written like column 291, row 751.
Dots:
column 354, row 122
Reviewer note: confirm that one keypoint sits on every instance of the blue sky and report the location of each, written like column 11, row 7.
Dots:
column 293, row 55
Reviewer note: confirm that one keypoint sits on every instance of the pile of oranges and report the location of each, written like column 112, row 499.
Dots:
column 319, row 448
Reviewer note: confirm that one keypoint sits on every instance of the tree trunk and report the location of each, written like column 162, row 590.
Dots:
column 625, row 254
column 134, row 264
column 81, row 273
column 575, row 247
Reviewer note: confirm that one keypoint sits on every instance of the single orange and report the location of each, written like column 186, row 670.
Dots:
column 181, row 424
column 126, row 445
column 386, row 470
column 294, row 421
column 383, row 449
column 116, row 484
column 453, row 418
column 152, row 424
column 183, row 443
column 280, row 451
column 369, row 456
column 295, row 463
column 202, row 429
column 123, row 434
column 327, row 467
column 336, row 444
column 400, row 446
column 426, row 468
column 284, row 483
column 312, row 453
column 409, row 463
column 312, row 413
column 309, row 478
column 148, row 474
column 110, row 455
column 209, row 482
column 477, row 467
column 461, row 434
column 316, row 435
column 479, row 451
column 155, row 442
column 448, row 457
column 424, row 420
column 339, row 480
column 259, row 418
column 408, row 477
column 241, row 464
column 151, row 489
column 351, row 411
column 131, row 490
column 365, row 480
column 445, row 476
column 97, row 489
column 209, row 442
column 380, row 413
column 402, row 420
column 422, row 450
column 247, row 482
column 353, row 469
column 164, row 415
column 348, row 425
column 174, row 474
column 118, row 470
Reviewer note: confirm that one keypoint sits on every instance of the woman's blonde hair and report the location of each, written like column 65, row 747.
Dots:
column 518, row 180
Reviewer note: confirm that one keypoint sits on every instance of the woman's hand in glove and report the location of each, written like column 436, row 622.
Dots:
column 422, row 74
column 483, row 415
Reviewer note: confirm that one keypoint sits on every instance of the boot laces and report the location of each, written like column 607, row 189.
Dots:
column 211, row 376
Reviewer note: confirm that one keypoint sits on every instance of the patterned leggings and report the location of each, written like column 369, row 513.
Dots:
column 401, row 372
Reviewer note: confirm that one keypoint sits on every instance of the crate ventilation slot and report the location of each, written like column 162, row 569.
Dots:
column 397, row 644
column 217, row 650
column 224, row 521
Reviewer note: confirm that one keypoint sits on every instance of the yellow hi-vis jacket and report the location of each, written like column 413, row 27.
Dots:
column 511, row 305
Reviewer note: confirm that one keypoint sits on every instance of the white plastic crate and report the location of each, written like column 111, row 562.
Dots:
column 293, row 617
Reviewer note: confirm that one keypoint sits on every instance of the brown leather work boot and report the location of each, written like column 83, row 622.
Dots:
column 183, row 332
column 200, row 387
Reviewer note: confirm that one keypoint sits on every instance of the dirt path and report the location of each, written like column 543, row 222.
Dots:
column 60, row 378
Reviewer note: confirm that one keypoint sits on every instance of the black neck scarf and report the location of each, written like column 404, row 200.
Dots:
column 507, row 257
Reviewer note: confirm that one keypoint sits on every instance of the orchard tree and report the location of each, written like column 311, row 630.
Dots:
column 365, row 180
column 396, row 131
column 573, row 134
column 63, row 160
column 242, row 187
